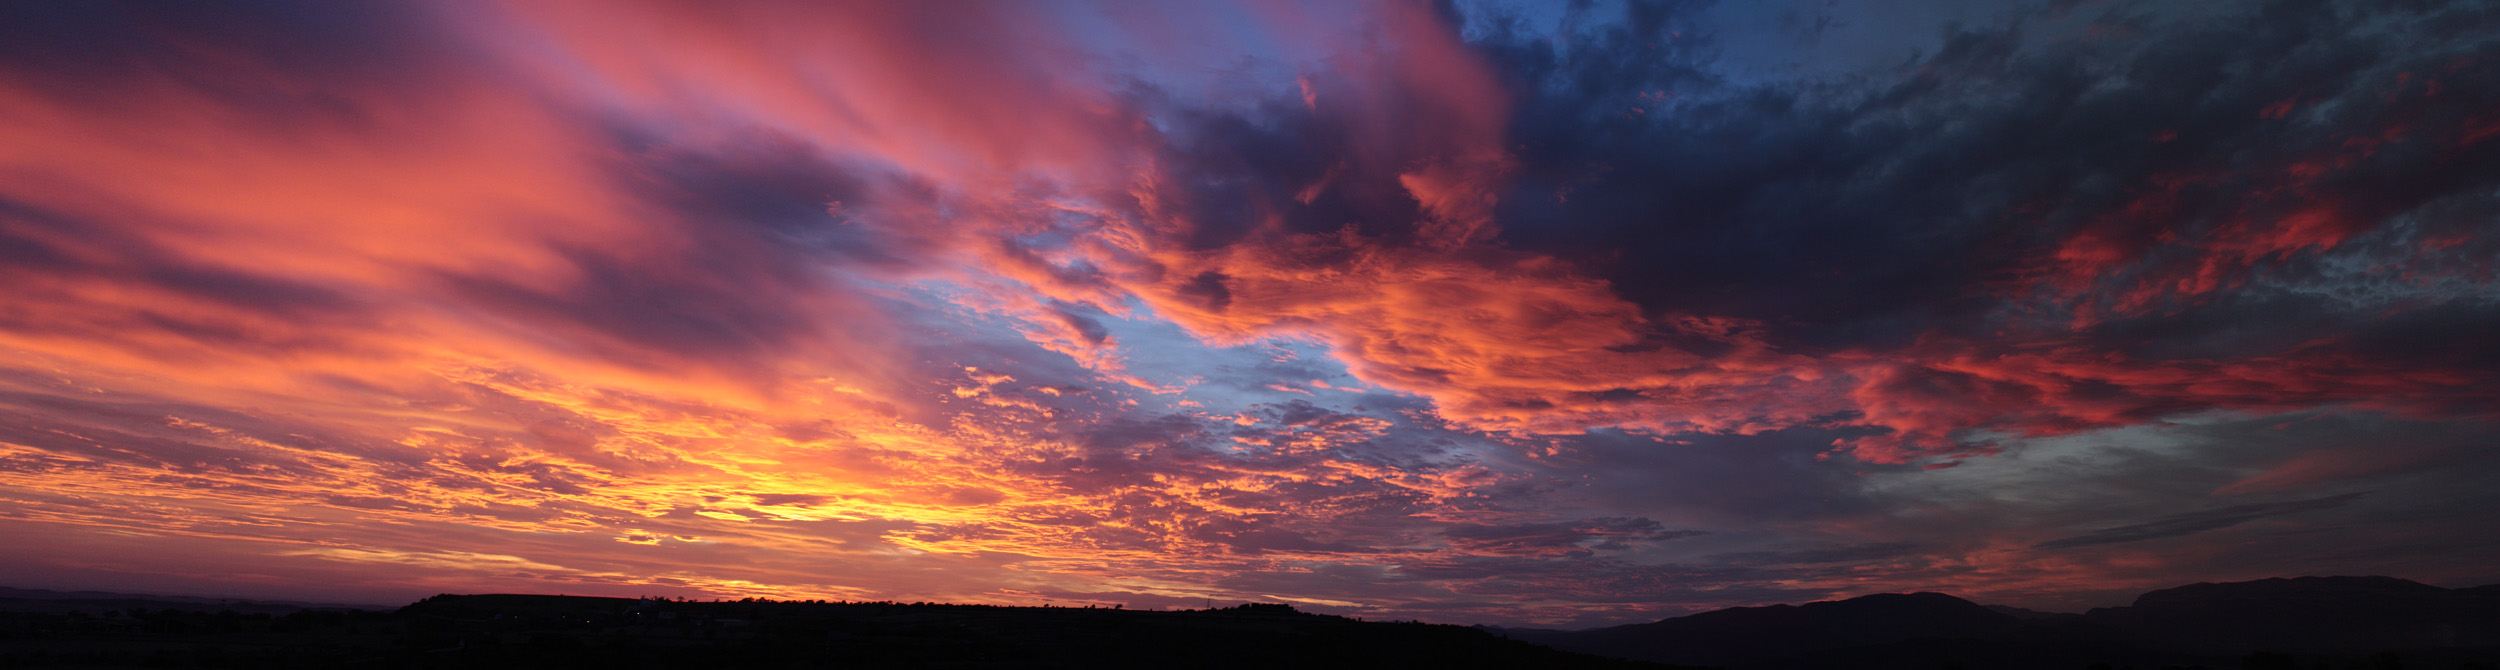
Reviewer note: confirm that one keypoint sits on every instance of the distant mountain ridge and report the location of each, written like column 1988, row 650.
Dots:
column 1736, row 635
column 2312, row 613
column 2206, row 623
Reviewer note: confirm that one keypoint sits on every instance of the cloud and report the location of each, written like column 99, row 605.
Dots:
column 2197, row 522
column 1560, row 538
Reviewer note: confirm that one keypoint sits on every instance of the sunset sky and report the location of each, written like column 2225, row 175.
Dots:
column 1560, row 314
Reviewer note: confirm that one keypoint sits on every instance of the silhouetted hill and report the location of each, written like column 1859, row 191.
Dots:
column 2301, row 622
column 2304, row 623
column 2311, row 613
column 1746, row 635
column 2033, row 615
column 536, row 631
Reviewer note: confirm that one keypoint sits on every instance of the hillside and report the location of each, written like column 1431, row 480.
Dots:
column 540, row 631
column 2272, row 624
column 2287, row 623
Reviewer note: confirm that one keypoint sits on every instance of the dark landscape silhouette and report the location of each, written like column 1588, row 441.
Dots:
column 2306, row 622
column 556, row 631
column 2334, row 623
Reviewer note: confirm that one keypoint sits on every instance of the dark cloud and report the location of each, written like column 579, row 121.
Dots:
column 1728, row 479
column 52, row 254
column 1248, row 537
column 798, row 207
column 229, row 50
column 650, row 310
column 2197, row 522
column 1856, row 553
column 1561, row 538
column 1857, row 216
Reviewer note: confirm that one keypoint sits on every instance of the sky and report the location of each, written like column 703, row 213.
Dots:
column 1524, row 313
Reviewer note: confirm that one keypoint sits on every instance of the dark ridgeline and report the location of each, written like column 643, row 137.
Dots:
column 1746, row 634
column 2332, row 623
column 2309, row 623
column 536, row 631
